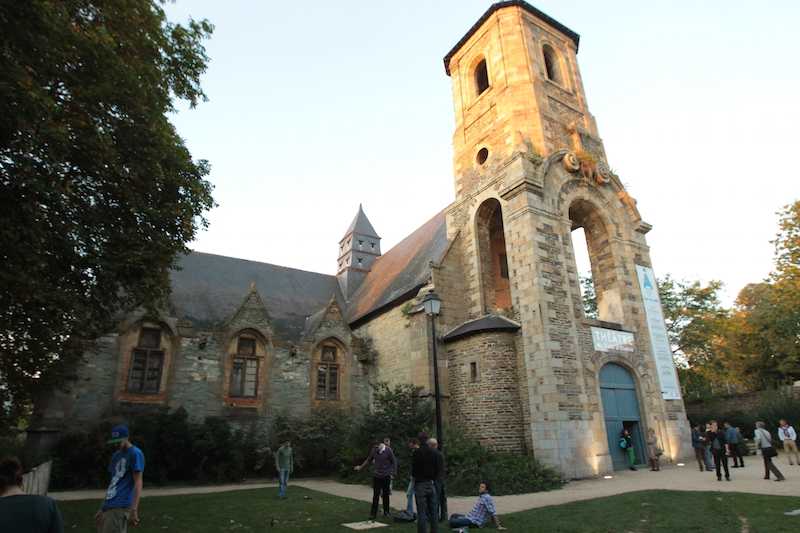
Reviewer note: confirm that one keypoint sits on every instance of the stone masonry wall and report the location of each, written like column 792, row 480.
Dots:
column 484, row 390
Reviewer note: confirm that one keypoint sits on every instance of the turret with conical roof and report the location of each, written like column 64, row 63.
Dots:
column 358, row 250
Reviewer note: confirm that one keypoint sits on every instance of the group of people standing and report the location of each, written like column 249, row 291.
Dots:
column 426, row 485
column 711, row 444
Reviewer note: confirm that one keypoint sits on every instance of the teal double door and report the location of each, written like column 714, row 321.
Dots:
column 621, row 409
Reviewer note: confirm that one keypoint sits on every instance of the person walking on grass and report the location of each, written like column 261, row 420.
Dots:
column 718, row 445
column 385, row 471
column 481, row 512
column 284, row 464
column 732, row 436
column 121, row 505
column 628, row 442
column 764, row 448
column 788, row 436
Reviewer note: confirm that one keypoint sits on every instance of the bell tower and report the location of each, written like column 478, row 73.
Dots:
column 358, row 249
column 529, row 169
column 517, row 88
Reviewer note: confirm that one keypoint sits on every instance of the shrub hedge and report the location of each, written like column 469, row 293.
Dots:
column 330, row 441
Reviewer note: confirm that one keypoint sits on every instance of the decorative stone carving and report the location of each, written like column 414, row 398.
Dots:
column 602, row 173
column 571, row 162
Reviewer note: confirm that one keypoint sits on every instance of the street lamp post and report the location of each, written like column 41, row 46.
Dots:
column 433, row 305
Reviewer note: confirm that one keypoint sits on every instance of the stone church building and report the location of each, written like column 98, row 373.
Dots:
column 519, row 362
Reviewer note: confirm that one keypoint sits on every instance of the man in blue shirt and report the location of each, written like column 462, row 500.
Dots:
column 484, row 508
column 122, row 498
column 732, row 436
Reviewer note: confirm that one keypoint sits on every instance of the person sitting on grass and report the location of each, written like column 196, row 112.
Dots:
column 484, row 508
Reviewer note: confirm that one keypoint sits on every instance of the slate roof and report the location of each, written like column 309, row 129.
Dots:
column 360, row 225
column 401, row 270
column 211, row 287
column 481, row 325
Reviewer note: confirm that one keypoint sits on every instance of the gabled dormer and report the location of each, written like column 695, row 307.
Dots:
column 358, row 250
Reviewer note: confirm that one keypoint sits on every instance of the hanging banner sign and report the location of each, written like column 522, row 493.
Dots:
column 662, row 351
column 611, row 339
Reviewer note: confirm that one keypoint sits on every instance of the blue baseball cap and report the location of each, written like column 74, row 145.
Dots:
column 118, row 434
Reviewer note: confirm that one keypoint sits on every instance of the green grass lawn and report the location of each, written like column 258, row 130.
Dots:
column 259, row 510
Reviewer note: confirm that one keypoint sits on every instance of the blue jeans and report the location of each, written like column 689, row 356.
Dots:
column 410, row 494
column 441, row 509
column 426, row 506
column 283, row 478
column 459, row 520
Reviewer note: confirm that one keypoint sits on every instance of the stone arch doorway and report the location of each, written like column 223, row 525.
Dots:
column 621, row 410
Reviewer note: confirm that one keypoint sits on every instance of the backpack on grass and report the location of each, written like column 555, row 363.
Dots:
column 405, row 516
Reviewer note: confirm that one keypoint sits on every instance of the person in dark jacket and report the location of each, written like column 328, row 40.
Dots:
column 385, row 471
column 424, row 471
column 699, row 445
column 718, row 444
column 626, row 435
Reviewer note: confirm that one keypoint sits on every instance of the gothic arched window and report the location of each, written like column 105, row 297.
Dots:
column 244, row 368
column 146, row 362
column 328, row 374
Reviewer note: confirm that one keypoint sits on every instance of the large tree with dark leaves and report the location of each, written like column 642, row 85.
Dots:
column 98, row 194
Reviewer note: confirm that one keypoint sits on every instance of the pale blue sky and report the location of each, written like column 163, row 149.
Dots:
column 317, row 106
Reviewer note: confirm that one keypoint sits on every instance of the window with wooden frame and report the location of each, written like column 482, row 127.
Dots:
column 146, row 362
column 244, row 369
column 328, row 375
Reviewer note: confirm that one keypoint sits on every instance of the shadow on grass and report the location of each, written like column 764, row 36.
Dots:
column 259, row 510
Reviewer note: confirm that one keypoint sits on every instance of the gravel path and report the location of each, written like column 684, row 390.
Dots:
column 748, row 479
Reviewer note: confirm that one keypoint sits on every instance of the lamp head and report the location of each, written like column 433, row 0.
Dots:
column 432, row 303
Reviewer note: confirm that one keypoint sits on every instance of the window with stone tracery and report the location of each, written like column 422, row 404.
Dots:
column 146, row 362
column 244, row 369
column 328, row 375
